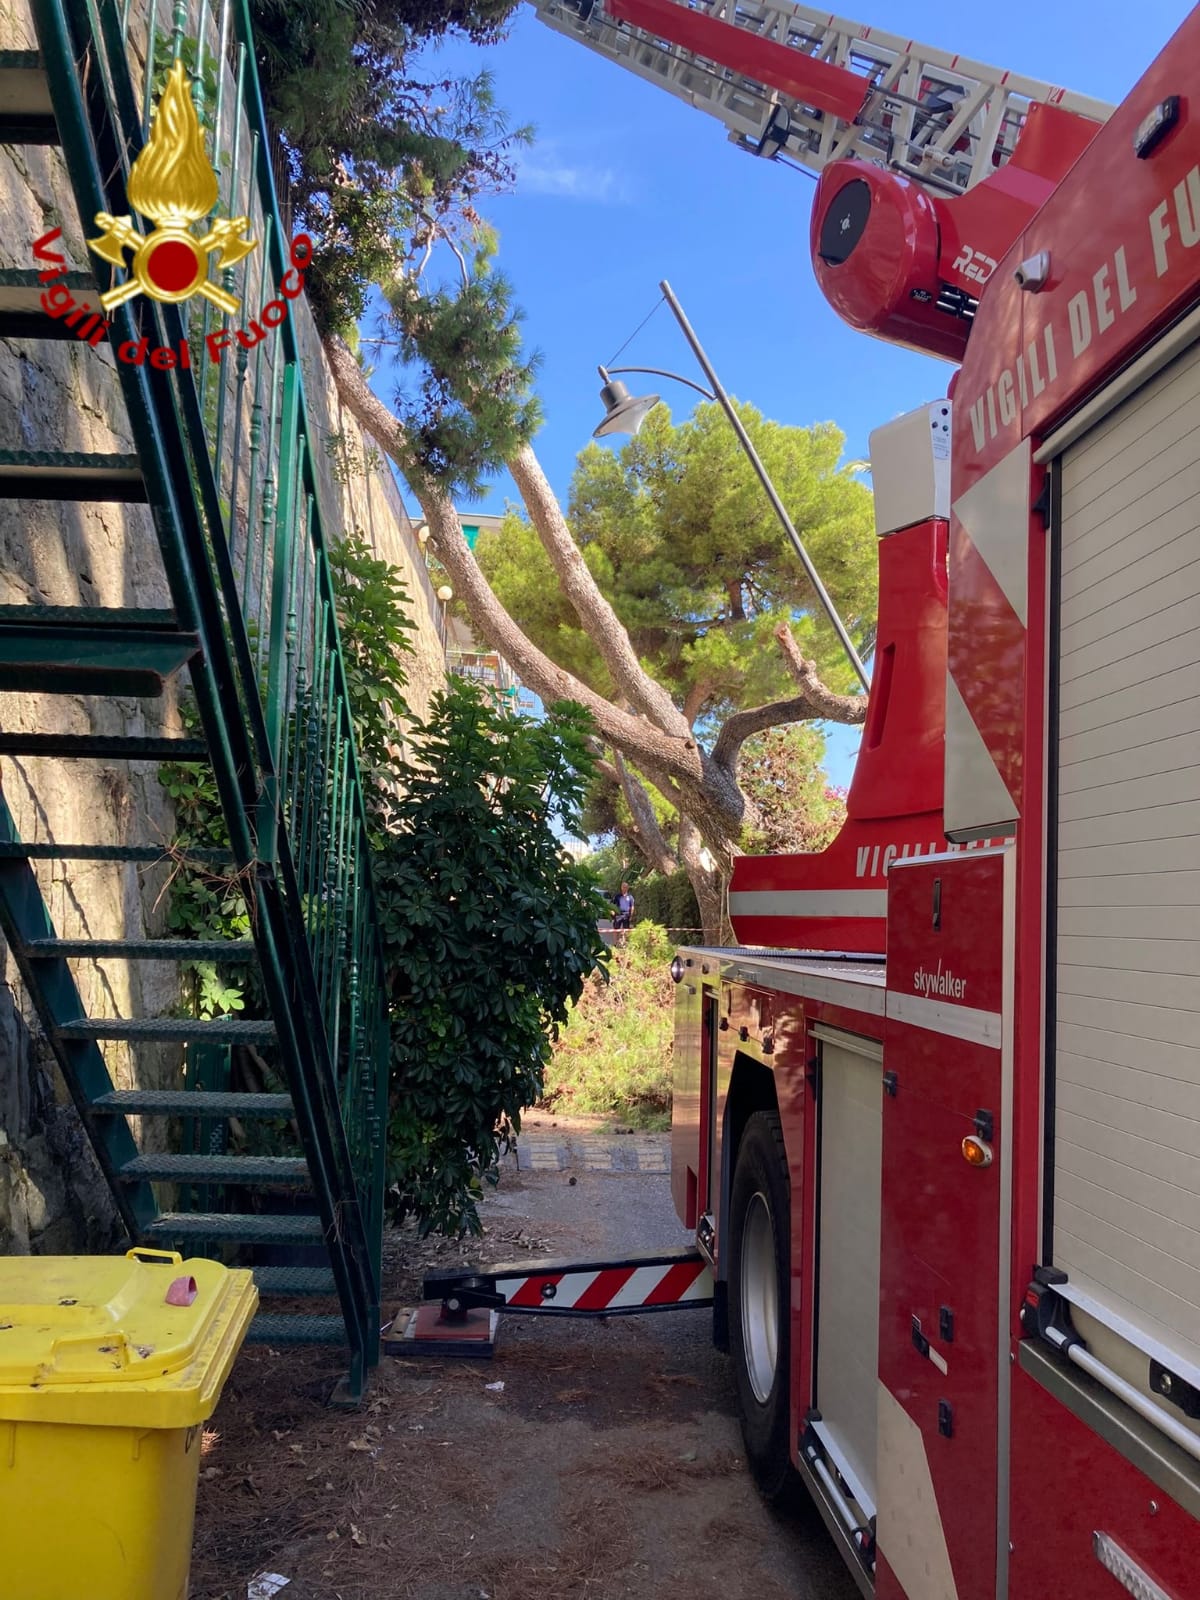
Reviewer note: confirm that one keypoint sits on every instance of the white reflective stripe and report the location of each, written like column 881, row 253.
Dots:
column 960, row 1022
column 995, row 515
column 634, row 1291
column 646, row 1279
column 808, row 903
column 570, row 1287
column 977, row 800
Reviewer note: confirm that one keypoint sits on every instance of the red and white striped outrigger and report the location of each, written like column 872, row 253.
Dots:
column 471, row 1299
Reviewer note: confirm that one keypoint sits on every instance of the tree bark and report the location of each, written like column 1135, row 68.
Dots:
column 708, row 883
column 653, row 846
column 826, row 702
column 598, row 619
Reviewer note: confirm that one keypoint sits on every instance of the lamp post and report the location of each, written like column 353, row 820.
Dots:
column 625, row 413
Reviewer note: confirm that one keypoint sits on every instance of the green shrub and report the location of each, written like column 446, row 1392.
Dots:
column 668, row 900
column 615, row 1055
column 650, row 943
column 489, row 932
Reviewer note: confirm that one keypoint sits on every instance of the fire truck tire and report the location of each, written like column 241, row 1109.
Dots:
column 758, row 1300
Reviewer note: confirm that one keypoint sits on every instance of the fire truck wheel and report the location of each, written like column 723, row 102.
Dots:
column 758, row 1299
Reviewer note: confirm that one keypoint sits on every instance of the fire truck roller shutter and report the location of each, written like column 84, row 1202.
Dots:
column 759, row 1307
column 1123, row 1057
column 851, row 1149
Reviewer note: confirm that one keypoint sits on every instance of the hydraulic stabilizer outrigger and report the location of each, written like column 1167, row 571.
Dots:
column 470, row 1300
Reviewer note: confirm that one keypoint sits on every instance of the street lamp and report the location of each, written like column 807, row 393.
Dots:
column 625, row 413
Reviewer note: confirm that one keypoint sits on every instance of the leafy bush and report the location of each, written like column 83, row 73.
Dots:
column 375, row 628
column 782, row 770
column 650, row 943
column 615, row 1055
column 489, row 930
column 668, row 900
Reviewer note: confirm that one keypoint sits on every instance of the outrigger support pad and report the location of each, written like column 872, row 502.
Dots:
column 471, row 1299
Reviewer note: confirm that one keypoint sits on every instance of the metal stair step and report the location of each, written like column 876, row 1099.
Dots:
column 294, row 1280
column 19, row 850
column 70, row 475
column 22, row 315
column 232, row 950
column 215, row 1169
column 91, row 616
column 191, row 1103
column 98, row 652
column 173, row 1030
column 279, row 1328
column 114, row 747
column 26, row 110
column 240, row 1227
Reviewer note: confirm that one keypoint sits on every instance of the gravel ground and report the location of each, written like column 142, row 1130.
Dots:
column 608, row 1466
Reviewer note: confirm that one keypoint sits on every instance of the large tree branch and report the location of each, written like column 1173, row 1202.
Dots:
column 704, row 789
column 600, row 622
column 817, row 703
column 653, row 846
column 675, row 754
column 827, row 703
column 693, row 701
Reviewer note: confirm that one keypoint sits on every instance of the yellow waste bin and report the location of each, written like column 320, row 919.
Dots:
column 108, row 1367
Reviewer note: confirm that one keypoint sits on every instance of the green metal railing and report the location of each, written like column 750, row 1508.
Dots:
column 232, row 474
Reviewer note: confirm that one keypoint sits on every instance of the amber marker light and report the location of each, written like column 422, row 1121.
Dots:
column 975, row 1152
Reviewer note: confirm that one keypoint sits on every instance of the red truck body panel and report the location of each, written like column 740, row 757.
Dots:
column 1003, row 1470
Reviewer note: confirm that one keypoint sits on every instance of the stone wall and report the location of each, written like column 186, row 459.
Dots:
column 63, row 395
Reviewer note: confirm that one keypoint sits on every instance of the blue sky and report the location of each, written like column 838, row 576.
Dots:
column 625, row 185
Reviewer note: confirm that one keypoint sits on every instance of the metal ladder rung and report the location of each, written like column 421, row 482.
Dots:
column 169, row 1030
column 232, row 950
column 205, row 1103
column 70, row 475
column 26, row 110
column 102, row 746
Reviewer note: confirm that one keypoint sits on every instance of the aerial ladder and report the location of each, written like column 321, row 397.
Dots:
column 928, row 164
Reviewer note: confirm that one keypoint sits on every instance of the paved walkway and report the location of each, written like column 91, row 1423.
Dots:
column 594, row 1152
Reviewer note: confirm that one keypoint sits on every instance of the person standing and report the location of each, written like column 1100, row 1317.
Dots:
column 624, row 916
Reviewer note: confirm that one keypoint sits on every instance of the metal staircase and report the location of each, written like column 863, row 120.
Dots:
column 225, row 461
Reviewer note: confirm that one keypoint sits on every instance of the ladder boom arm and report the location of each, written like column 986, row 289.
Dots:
column 787, row 79
column 791, row 72
column 929, row 164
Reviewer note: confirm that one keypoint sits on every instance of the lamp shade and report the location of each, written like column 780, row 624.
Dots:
column 623, row 412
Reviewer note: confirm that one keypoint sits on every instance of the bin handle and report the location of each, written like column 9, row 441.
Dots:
column 143, row 1253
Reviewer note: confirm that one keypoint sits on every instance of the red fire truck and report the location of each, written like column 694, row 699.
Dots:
column 937, row 1117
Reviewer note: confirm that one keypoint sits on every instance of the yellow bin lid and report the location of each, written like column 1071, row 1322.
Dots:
column 144, row 1340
